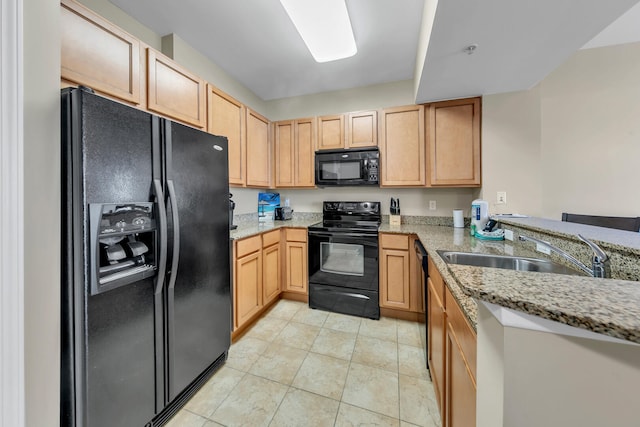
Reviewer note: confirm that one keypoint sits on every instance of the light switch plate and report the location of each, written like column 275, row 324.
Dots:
column 508, row 234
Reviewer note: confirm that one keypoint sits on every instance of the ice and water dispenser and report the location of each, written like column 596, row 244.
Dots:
column 123, row 244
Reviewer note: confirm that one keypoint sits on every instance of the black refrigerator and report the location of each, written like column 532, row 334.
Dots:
column 146, row 307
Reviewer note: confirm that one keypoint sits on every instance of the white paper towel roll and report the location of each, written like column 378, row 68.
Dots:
column 458, row 219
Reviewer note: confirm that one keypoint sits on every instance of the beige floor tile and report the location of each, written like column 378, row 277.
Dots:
column 343, row 323
column 322, row 375
column 209, row 397
column 432, row 403
column 411, row 361
column 297, row 335
column 210, row 423
column 301, row 408
column 415, row 401
column 334, row 343
column 309, row 316
column 244, row 353
column 409, row 333
column 253, row 402
column 279, row 363
column 376, row 352
column 352, row 416
column 372, row 388
column 384, row 329
column 285, row 309
column 185, row 418
column 267, row 328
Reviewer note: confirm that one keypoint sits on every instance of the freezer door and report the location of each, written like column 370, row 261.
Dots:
column 108, row 354
column 198, row 291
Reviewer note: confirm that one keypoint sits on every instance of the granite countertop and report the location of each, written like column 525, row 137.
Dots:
column 606, row 306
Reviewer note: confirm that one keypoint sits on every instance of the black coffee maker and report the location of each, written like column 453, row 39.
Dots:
column 232, row 206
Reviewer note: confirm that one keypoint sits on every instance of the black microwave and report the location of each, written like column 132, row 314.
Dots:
column 347, row 167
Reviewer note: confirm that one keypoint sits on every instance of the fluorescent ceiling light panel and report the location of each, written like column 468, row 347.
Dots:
column 325, row 27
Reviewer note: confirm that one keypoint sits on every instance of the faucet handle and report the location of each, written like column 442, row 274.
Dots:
column 597, row 250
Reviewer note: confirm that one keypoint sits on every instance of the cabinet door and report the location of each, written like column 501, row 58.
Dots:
column 331, row 132
column 305, row 143
column 248, row 288
column 460, row 385
column 454, row 143
column 258, row 150
column 362, row 129
column 226, row 116
column 284, row 154
column 394, row 278
column 297, row 277
column 173, row 91
column 402, row 147
column 435, row 342
column 271, row 262
column 97, row 54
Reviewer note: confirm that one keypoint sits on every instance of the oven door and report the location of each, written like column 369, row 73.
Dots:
column 344, row 259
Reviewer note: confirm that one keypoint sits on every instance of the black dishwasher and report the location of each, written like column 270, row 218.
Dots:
column 421, row 254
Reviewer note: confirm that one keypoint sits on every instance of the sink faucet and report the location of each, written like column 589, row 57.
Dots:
column 599, row 260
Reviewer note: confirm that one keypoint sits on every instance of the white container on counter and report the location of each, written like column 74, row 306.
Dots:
column 458, row 218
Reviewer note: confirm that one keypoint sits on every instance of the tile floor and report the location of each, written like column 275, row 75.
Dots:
column 304, row 367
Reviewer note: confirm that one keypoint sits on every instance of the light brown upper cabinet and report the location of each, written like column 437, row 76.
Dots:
column 226, row 117
column 258, row 150
column 97, row 54
column 294, row 152
column 284, row 153
column 331, row 132
column 362, row 129
column 402, row 147
column 454, row 143
column 173, row 91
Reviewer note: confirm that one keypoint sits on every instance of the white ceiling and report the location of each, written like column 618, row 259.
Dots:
column 519, row 42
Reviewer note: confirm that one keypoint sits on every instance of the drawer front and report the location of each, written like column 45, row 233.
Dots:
column 270, row 238
column 394, row 241
column 248, row 245
column 296, row 235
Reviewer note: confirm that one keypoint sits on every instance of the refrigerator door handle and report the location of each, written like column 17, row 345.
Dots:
column 176, row 234
column 162, row 262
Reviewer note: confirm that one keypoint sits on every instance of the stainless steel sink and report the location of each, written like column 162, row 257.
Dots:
column 507, row 262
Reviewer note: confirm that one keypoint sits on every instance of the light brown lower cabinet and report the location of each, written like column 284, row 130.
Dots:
column 271, row 266
column 247, row 289
column 436, row 333
column 296, row 261
column 264, row 266
column 399, row 275
column 451, row 350
column 460, row 382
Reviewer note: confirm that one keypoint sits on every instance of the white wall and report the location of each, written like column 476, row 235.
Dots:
column 413, row 201
column 572, row 143
column 511, row 158
column 42, row 212
column 591, row 133
column 343, row 101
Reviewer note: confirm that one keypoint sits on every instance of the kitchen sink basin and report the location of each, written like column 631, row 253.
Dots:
column 506, row 262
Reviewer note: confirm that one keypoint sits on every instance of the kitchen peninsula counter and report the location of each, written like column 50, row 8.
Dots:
column 605, row 306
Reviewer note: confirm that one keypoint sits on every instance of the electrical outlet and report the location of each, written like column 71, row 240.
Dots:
column 501, row 198
column 432, row 205
column 508, row 234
